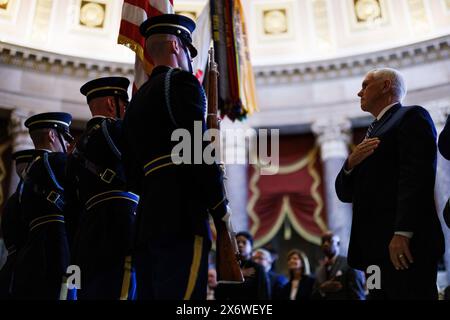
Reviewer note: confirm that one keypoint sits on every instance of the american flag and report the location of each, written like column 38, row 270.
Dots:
column 134, row 12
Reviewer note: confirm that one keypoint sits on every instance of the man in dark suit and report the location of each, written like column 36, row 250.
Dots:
column 389, row 178
column 335, row 280
column 173, row 236
column 97, row 196
column 43, row 260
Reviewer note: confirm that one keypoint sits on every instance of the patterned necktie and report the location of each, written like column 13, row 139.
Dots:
column 370, row 129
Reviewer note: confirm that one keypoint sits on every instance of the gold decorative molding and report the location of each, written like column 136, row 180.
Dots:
column 4, row 4
column 275, row 20
column 92, row 14
column 9, row 10
column 367, row 10
column 368, row 14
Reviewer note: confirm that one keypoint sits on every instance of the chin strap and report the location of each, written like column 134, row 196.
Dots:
column 61, row 141
column 117, row 102
column 188, row 57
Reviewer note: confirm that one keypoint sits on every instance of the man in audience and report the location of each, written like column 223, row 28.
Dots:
column 335, row 280
column 277, row 281
column 256, row 285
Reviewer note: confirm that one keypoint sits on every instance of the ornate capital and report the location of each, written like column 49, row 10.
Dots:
column 333, row 136
column 20, row 138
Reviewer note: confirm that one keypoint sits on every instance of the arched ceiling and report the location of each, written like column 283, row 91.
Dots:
column 280, row 31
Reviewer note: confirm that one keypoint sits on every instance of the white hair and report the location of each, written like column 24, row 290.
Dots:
column 265, row 253
column 398, row 82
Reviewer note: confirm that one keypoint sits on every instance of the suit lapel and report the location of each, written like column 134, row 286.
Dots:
column 385, row 118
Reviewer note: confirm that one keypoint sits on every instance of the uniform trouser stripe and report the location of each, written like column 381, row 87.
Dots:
column 124, row 295
column 195, row 266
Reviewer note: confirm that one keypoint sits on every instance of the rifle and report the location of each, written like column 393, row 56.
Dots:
column 227, row 253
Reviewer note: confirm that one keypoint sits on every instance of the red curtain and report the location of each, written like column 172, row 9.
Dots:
column 292, row 198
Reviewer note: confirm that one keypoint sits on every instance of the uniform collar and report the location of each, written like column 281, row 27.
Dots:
column 45, row 150
column 160, row 69
column 95, row 120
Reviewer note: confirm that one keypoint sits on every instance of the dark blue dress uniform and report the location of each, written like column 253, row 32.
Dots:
column 102, row 244
column 43, row 260
column 14, row 229
column 173, row 236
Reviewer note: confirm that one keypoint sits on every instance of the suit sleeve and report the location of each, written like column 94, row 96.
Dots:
column 444, row 140
column 417, row 169
column 190, row 105
column 344, row 185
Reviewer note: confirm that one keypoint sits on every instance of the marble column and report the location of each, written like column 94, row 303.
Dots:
column 439, row 113
column 333, row 136
column 20, row 141
column 234, row 142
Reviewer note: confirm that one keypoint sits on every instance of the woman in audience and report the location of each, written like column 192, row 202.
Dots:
column 300, row 284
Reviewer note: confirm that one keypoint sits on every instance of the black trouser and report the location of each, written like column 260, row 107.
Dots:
column 103, row 249
column 41, row 264
column 173, row 269
column 418, row 282
column 116, row 281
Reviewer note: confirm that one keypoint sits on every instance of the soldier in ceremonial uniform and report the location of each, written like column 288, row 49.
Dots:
column 173, row 235
column 14, row 229
column 102, row 245
column 44, row 258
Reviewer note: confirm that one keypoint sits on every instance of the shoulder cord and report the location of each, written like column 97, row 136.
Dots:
column 51, row 173
column 110, row 142
column 167, row 95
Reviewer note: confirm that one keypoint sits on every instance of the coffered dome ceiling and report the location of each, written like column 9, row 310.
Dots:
column 280, row 31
